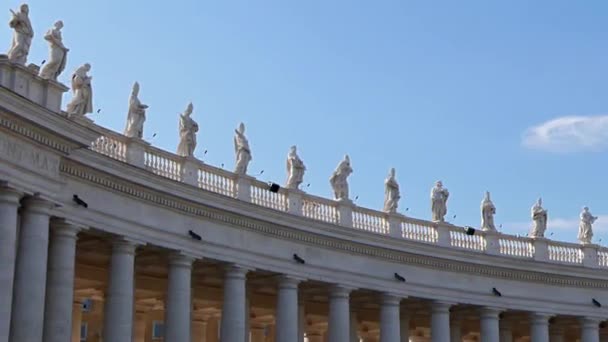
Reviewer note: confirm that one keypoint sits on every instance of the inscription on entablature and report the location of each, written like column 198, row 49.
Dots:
column 27, row 156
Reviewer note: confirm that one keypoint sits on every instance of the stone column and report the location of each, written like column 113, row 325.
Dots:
column 60, row 282
column 118, row 315
column 389, row 318
column 440, row 322
column 9, row 204
column 76, row 320
column 456, row 328
column 339, row 314
column 140, row 325
column 354, row 326
column 506, row 335
column 30, row 272
column 258, row 333
column 287, row 310
column 489, row 324
column 178, row 307
column 590, row 329
column 233, row 309
column 539, row 327
column 405, row 327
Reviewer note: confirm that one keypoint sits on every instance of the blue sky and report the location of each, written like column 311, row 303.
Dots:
column 479, row 94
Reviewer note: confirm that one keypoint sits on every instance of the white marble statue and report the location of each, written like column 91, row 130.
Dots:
column 539, row 219
column 585, row 227
column 488, row 210
column 439, row 202
column 339, row 179
column 187, row 133
column 295, row 169
column 241, row 150
column 22, row 35
column 391, row 193
column 58, row 53
column 136, row 116
column 82, row 101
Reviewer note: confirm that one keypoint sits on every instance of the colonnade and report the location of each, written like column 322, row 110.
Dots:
column 39, row 305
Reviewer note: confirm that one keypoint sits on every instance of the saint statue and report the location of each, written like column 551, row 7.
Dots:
column 539, row 219
column 82, row 101
column 57, row 53
column 136, row 116
column 295, row 169
column 22, row 35
column 391, row 193
column 187, row 133
column 339, row 179
column 585, row 227
column 242, row 151
column 439, row 202
column 488, row 210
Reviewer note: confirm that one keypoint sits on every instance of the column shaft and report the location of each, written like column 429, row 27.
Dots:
column 60, row 283
column 118, row 315
column 233, row 309
column 539, row 327
column 30, row 273
column 440, row 322
column 590, row 329
column 9, row 204
column 389, row 319
column 489, row 324
column 178, row 309
column 287, row 310
column 339, row 317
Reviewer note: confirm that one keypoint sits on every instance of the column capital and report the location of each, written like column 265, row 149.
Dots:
column 490, row 312
column 9, row 195
column 124, row 245
column 286, row 281
column 37, row 204
column 65, row 228
column 590, row 322
column 388, row 298
column 340, row 291
column 180, row 259
column 439, row 306
column 236, row 271
column 540, row 317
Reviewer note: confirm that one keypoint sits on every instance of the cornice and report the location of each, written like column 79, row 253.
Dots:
column 112, row 182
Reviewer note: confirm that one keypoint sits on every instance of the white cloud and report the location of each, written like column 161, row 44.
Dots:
column 568, row 134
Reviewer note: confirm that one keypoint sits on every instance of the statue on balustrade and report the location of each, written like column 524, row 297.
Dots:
column 82, row 101
column 585, row 227
column 295, row 169
column 488, row 210
column 539, row 219
column 58, row 53
column 242, row 150
column 187, row 133
column 339, row 179
column 136, row 116
column 22, row 35
column 439, row 202
column 391, row 193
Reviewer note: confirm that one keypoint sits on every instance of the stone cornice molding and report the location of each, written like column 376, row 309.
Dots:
column 335, row 242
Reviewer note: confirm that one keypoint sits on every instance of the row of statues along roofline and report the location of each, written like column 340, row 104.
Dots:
column 82, row 103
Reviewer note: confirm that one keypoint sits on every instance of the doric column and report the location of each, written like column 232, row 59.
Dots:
column 258, row 333
column 440, row 322
column 118, row 315
column 30, row 272
column 539, row 327
column 389, row 318
column 339, row 314
column 354, row 326
column 405, row 326
column 456, row 327
column 60, row 282
column 506, row 334
column 178, row 307
column 489, row 324
column 76, row 320
column 233, row 309
column 287, row 310
column 590, row 329
column 9, row 204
